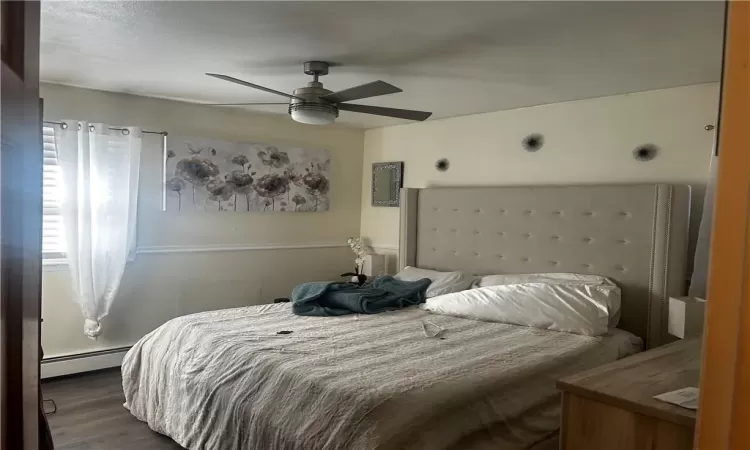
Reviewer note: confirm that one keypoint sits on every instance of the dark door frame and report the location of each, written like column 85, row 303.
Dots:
column 20, row 225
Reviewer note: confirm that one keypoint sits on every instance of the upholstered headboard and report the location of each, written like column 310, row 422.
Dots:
column 636, row 235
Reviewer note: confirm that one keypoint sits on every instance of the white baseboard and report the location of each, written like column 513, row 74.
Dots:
column 55, row 367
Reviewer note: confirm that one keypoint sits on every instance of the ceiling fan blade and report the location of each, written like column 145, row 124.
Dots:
column 388, row 112
column 373, row 89
column 241, row 104
column 251, row 85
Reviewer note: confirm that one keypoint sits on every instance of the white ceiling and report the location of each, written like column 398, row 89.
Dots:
column 452, row 58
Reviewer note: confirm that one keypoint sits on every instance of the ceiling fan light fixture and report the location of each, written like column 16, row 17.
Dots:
column 313, row 114
column 316, row 105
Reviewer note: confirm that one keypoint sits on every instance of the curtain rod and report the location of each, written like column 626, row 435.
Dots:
column 64, row 125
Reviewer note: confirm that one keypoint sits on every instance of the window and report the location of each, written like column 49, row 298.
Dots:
column 53, row 240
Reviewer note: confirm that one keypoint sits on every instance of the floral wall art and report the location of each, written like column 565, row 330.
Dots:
column 212, row 175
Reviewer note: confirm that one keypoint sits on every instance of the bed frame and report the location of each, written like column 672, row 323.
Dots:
column 636, row 235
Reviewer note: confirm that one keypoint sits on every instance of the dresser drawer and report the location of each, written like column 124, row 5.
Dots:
column 592, row 425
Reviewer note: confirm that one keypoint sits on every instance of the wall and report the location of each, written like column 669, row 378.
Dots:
column 587, row 141
column 190, row 262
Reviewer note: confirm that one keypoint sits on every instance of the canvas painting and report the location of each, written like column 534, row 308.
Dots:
column 217, row 176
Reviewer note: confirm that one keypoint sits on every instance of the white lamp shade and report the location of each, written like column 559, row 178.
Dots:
column 686, row 315
column 374, row 265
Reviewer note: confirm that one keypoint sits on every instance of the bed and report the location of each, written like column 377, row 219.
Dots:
column 226, row 380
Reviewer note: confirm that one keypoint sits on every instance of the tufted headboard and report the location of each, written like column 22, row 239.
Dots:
column 636, row 235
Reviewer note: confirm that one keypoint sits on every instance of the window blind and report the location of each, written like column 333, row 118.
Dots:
column 53, row 239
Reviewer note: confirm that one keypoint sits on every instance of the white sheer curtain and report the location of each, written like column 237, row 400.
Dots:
column 699, row 280
column 99, row 202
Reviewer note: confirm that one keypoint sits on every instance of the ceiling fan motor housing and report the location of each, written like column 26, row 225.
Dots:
column 310, row 108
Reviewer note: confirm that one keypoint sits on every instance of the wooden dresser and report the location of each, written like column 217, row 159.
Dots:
column 611, row 407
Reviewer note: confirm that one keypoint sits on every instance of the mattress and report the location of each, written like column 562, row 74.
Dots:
column 228, row 380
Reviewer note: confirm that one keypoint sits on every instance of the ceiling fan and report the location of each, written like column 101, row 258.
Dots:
column 316, row 105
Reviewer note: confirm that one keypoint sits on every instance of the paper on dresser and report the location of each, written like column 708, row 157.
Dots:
column 685, row 397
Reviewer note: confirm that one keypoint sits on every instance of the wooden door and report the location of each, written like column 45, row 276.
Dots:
column 20, row 225
column 724, row 412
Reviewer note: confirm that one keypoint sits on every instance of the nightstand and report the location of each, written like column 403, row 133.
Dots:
column 612, row 406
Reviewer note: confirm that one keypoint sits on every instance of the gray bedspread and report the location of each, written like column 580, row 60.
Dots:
column 225, row 380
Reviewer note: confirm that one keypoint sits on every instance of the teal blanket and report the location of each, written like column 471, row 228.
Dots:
column 334, row 298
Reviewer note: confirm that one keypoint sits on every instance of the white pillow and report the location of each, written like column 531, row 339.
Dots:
column 573, row 308
column 442, row 282
column 555, row 278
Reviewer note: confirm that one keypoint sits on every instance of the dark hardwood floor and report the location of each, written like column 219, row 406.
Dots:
column 90, row 415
